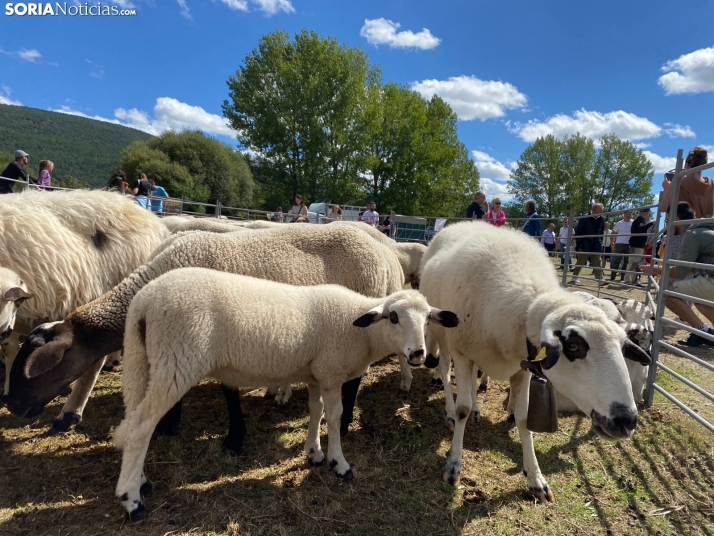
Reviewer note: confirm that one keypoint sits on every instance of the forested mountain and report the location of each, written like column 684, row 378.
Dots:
column 85, row 148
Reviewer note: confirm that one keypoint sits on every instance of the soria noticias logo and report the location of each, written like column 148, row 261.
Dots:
column 47, row 9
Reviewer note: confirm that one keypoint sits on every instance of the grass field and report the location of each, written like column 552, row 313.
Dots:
column 660, row 482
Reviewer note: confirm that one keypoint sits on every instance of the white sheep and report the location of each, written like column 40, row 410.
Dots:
column 13, row 292
column 69, row 248
column 198, row 224
column 56, row 354
column 192, row 323
column 505, row 287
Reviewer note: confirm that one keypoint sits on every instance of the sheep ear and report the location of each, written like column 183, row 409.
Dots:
column 17, row 295
column 50, row 355
column 634, row 353
column 371, row 317
column 550, row 350
column 445, row 319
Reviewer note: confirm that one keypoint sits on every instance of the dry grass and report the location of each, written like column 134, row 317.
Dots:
column 661, row 482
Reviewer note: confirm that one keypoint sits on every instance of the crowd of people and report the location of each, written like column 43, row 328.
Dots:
column 145, row 192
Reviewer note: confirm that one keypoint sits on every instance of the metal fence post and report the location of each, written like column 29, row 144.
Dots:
column 663, row 282
column 566, row 253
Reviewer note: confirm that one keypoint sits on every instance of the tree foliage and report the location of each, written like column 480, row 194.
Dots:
column 191, row 165
column 574, row 172
column 83, row 148
column 318, row 120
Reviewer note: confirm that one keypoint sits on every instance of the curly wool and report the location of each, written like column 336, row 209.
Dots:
column 72, row 247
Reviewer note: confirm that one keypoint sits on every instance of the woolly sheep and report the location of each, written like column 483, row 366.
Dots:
column 528, row 314
column 13, row 292
column 55, row 354
column 69, row 248
column 202, row 224
column 192, row 323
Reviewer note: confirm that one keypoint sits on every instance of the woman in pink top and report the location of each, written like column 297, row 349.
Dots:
column 44, row 178
column 495, row 215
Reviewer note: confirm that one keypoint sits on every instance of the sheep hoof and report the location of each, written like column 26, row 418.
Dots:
column 65, row 423
column 475, row 416
column 313, row 463
column 405, row 386
column 344, row 430
column 233, row 446
column 431, row 361
column 452, row 472
column 511, row 419
column 146, row 489
column 139, row 513
column 543, row 494
column 436, row 382
column 482, row 388
column 450, row 423
column 479, row 373
column 348, row 476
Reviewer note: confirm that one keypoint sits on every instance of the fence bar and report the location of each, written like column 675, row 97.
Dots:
column 687, row 297
column 682, row 353
column 684, row 408
column 686, row 382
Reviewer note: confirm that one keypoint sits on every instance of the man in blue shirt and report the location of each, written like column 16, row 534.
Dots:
column 475, row 209
column 157, row 191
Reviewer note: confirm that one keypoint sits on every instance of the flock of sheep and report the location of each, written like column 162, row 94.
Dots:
column 84, row 275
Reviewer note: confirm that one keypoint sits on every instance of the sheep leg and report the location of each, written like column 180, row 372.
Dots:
column 11, row 347
column 537, row 485
column 445, row 372
column 333, row 411
column 169, row 423
column 483, row 386
column 315, row 455
column 283, row 395
column 135, row 433
column 406, row 373
column 349, row 398
column 233, row 443
column 464, row 369
column 475, row 411
column 74, row 407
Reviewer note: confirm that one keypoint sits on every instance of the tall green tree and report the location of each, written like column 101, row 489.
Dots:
column 574, row 172
column 296, row 104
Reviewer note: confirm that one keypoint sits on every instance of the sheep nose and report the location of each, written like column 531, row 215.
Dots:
column 624, row 416
column 416, row 357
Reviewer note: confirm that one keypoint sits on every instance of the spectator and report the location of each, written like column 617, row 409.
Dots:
column 532, row 224
column 15, row 170
column 371, row 216
column 115, row 183
column 697, row 246
column 589, row 247
column 696, row 190
column 606, row 237
column 564, row 245
column 475, row 210
column 278, row 216
column 336, row 214
column 302, row 219
column 638, row 242
column 386, row 226
column 43, row 173
column 157, row 191
column 299, row 209
column 142, row 191
column 547, row 239
column 621, row 234
column 496, row 216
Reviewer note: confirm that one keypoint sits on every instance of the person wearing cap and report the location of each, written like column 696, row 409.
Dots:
column 638, row 242
column 16, row 171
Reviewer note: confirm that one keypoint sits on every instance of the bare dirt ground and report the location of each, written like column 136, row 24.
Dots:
column 659, row 483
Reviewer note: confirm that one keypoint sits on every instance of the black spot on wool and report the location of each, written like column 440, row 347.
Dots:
column 100, row 239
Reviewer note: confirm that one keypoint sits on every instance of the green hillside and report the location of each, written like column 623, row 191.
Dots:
column 84, row 148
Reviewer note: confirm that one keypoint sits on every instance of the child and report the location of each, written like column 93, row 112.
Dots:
column 44, row 179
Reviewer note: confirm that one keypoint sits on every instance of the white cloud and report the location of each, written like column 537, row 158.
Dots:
column 32, row 55
column 384, row 32
column 591, row 124
column 184, row 9
column 642, row 145
column 124, row 4
column 495, row 189
column 97, row 70
column 472, row 98
column 674, row 130
column 271, row 7
column 690, row 73
column 489, row 167
column 237, row 5
column 5, row 97
column 169, row 114
column 661, row 163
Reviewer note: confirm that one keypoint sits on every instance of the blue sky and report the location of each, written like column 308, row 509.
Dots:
column 511, row 70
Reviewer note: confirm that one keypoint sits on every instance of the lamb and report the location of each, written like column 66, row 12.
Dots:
column 69, row 248
column 192, row 323
column 13, row 293
column 471, row 265
column 56, row 354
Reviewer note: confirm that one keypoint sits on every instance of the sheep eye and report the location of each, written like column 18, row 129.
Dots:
column 393, row 318
column 572, row 347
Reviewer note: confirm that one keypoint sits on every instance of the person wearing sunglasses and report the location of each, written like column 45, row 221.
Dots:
column 495, row 215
